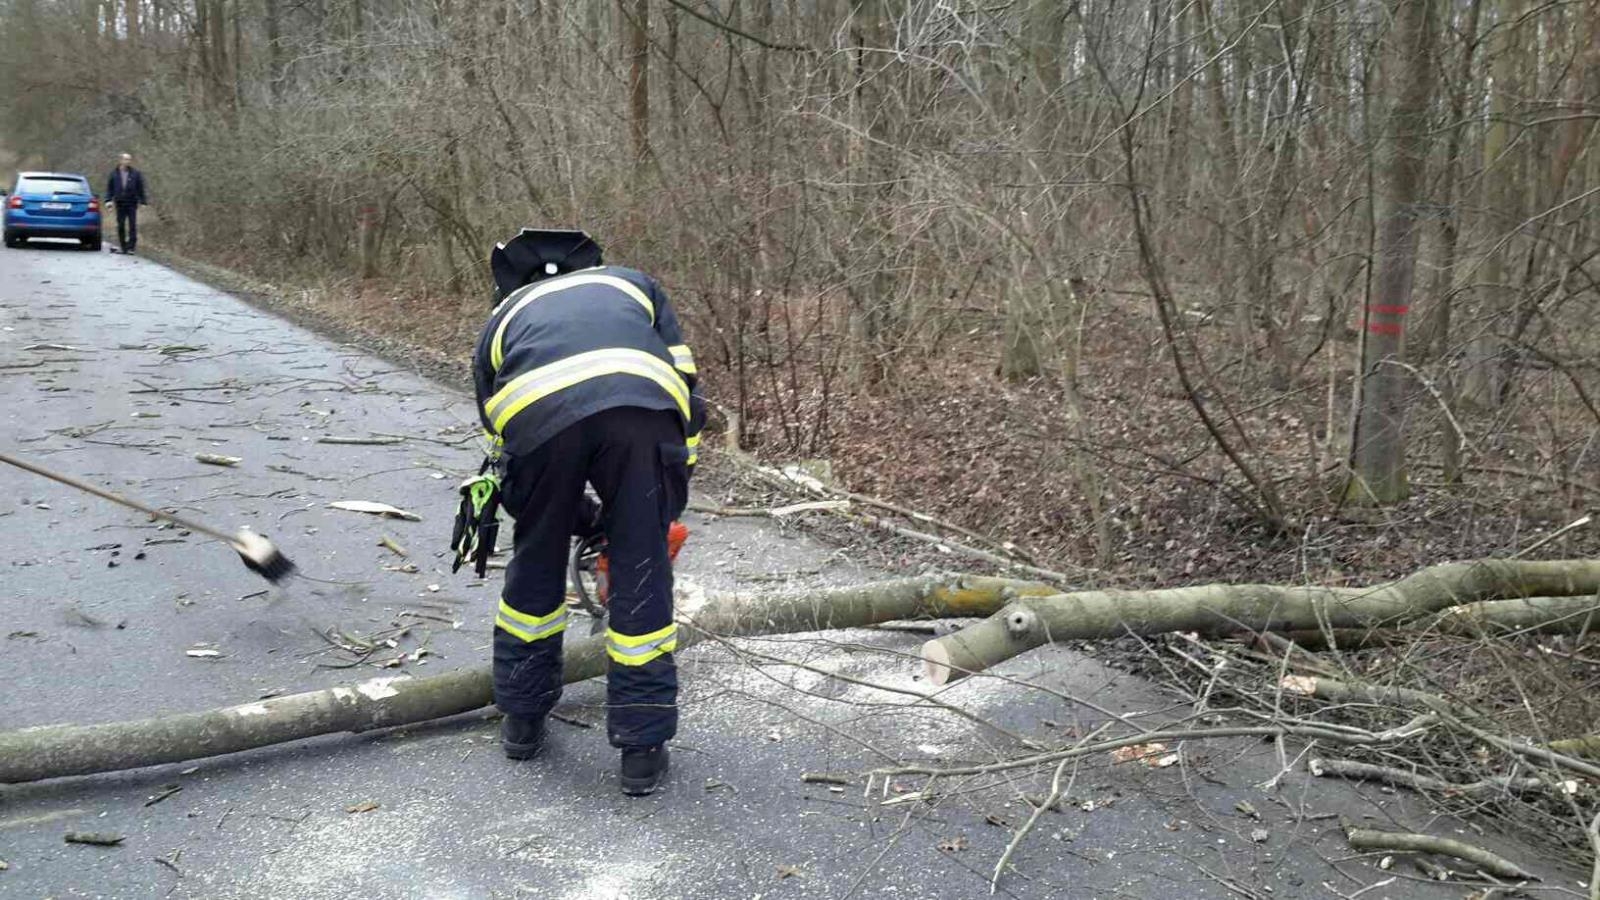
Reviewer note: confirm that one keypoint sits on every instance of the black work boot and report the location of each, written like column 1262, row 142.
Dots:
column 522, row 738
column 642, row 769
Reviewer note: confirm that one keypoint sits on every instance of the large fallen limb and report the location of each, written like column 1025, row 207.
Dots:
column 54, row 751
column 1553, row 615
column 1546, row 615
column 1360, row 771
column 1494, row 864
column 1224, row 609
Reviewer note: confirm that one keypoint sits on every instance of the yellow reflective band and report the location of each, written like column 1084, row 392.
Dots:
column 546, row 288
column 532, row 386
column 531, row 628
column 631, row 650
column 693, row 443
column 682, row 359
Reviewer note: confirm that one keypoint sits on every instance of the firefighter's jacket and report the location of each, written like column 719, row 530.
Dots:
column 561, row 349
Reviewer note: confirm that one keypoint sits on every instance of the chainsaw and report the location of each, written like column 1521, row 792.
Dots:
column 589, row 570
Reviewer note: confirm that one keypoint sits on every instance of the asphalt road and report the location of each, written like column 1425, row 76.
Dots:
column 120, row 371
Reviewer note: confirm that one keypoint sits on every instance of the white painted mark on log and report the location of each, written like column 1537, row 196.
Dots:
column 253, row 709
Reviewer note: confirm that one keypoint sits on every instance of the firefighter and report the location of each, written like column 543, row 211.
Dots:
column 583, row 377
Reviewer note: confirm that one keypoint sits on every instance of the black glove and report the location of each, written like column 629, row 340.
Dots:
column 477, row 523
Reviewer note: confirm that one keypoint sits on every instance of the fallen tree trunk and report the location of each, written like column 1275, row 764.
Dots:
column 1041, row 614
column 1545, row 615
column 1031, row 622
column 54, row 751
column 1550, row 615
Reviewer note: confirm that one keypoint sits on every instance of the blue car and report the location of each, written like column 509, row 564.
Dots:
column 52, row 205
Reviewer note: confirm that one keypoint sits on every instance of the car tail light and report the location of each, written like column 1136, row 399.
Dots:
column 94, row 205
column 15, row 202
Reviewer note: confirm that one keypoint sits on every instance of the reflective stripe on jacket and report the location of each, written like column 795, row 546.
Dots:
column 564, row 348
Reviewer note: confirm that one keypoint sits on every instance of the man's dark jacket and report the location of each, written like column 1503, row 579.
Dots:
column 564, row 348
column 132, row 192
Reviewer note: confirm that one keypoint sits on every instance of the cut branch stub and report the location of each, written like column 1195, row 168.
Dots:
column 1020, row 620
column 1011, row 631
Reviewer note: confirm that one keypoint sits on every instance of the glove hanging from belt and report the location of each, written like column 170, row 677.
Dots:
column 477, row 522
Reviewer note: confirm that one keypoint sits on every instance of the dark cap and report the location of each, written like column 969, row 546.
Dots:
column 539, row 253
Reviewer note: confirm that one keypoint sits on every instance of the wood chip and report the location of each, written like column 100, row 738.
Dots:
column 363, row 806
column 217, row 459
column 1153, row 754
column 1304, row 685
column 812, row 506
column 376, row 509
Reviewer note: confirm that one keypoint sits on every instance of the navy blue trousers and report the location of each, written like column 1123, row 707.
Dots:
column 637, row 462
column 128, row 224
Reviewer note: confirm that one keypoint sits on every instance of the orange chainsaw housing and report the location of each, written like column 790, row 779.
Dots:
column 677, row 535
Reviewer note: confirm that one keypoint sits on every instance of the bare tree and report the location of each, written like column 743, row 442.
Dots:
column 1378, row 463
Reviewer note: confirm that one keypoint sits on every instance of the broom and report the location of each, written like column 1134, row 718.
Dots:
column 258, row 553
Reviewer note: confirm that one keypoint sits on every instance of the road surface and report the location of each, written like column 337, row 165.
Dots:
column 118, row 370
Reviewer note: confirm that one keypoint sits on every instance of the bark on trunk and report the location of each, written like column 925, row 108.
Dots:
column 1223, row 609
column 1546, row 615
column 54, row 751
column 1378, row 457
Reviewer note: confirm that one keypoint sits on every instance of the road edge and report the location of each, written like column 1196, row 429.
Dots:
column 277, row 300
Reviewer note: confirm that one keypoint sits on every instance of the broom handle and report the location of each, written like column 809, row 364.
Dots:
column 104, row 494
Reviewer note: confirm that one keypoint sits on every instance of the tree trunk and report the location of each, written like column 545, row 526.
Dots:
column 1223, row 609
column 55, row 751
column 1379, row 467
column 1482, row 384
column 637, row 22
column 275, row 70
column 1019, row 350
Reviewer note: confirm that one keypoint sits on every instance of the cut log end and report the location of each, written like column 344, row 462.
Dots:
column 936, row 665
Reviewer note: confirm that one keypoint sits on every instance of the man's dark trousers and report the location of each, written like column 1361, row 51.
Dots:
column 128, row 225
column 637, row 462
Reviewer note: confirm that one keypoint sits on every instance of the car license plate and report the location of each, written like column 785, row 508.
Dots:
column 55, row 206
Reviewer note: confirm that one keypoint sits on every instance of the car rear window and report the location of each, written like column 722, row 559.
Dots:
column 52, row 185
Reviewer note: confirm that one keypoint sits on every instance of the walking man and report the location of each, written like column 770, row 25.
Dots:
column 125, row 188
column 583, row 377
